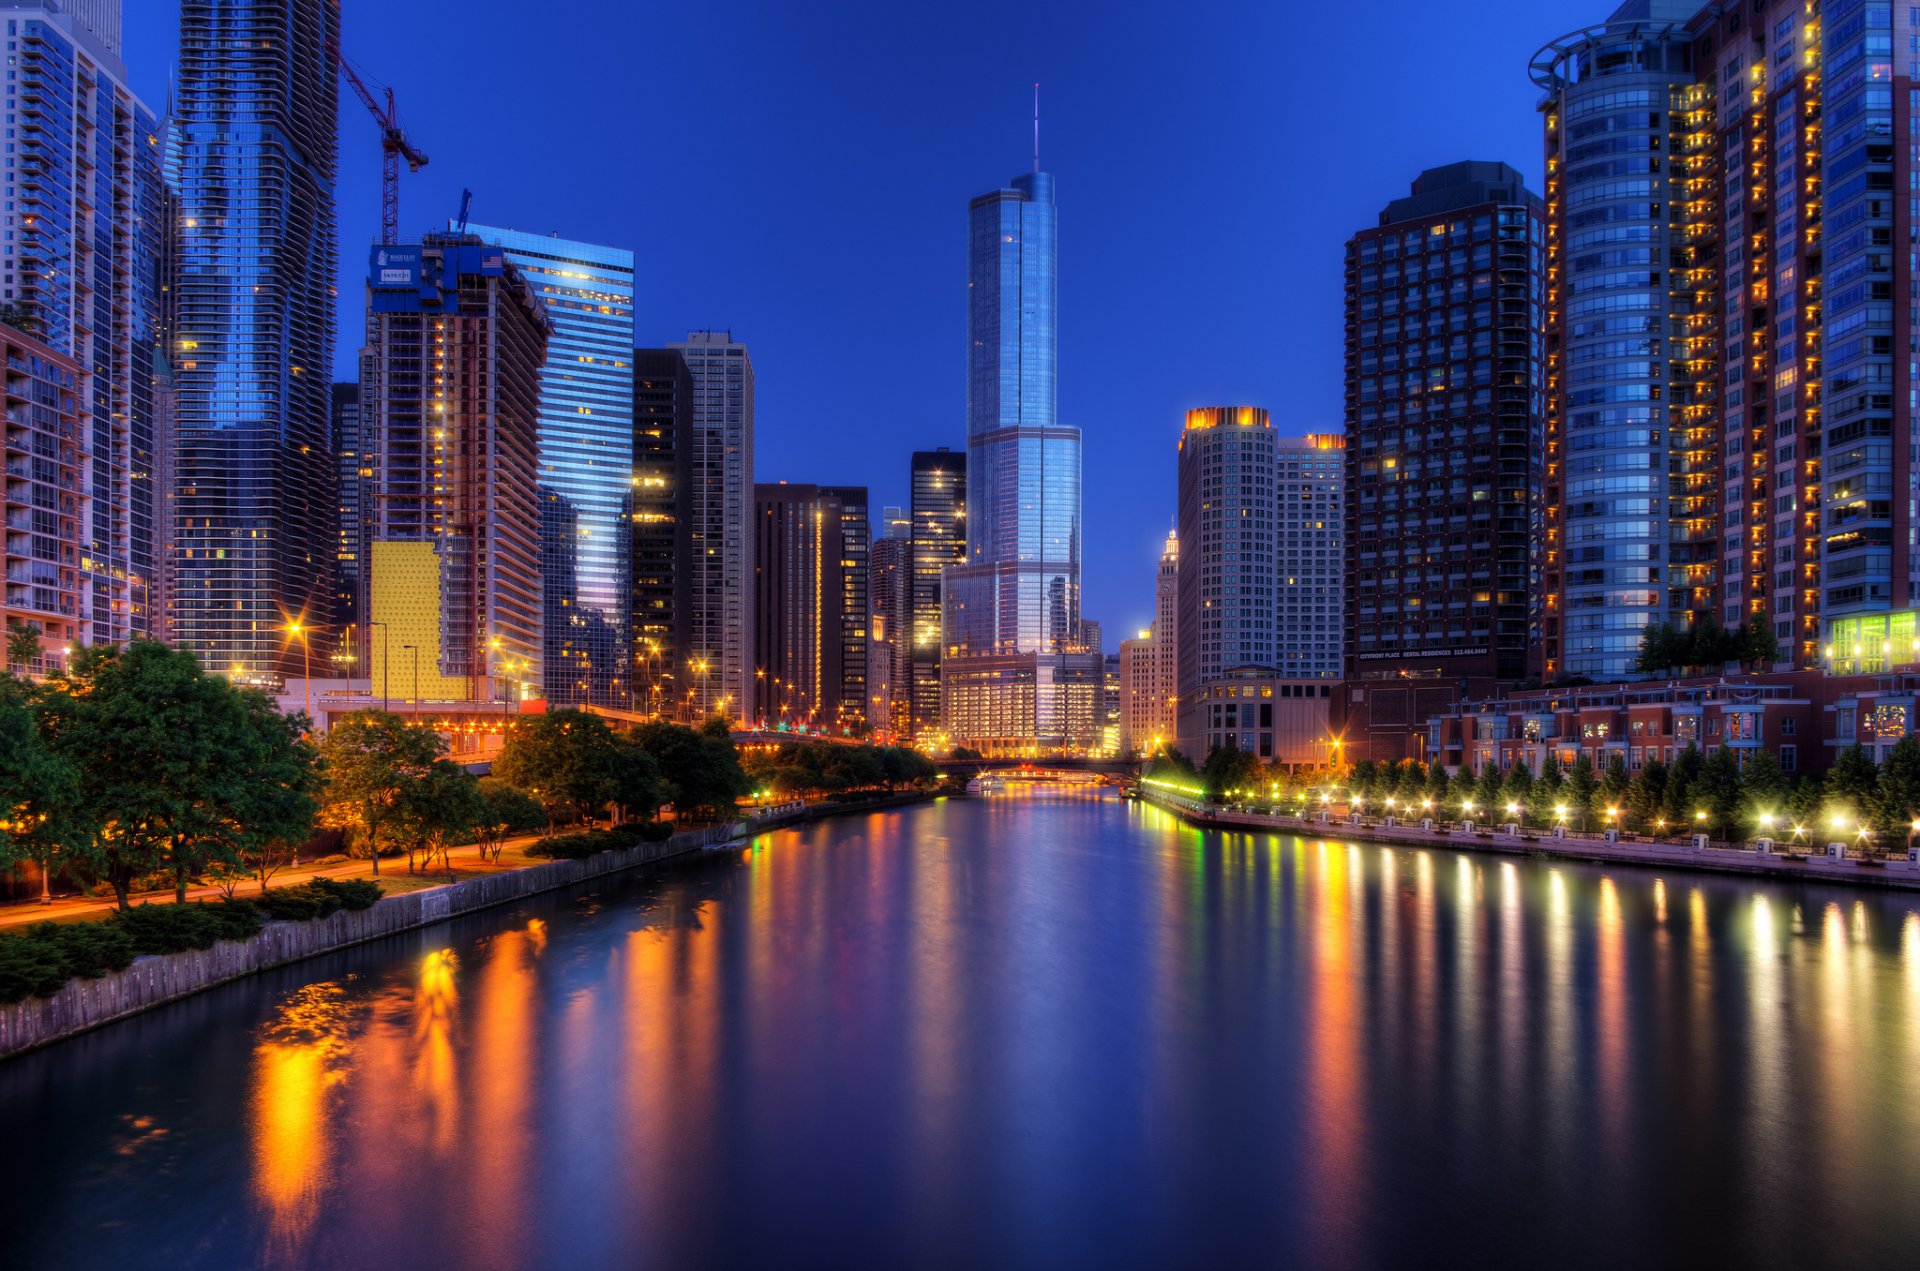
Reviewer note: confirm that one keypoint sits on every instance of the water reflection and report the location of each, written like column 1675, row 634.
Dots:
column 1024, row 1031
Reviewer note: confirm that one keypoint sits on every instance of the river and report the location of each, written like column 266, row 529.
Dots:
column 1028, row 1031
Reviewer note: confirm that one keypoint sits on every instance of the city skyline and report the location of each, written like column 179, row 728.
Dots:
column 794, row 291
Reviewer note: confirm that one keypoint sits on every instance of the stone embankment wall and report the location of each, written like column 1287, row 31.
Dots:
column 153, row 981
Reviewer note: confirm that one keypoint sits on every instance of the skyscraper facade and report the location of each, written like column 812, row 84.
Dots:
column 354, row 474
column 1307, row 538
column 586, row 457
column 660, row 514
column 856, row 542
column 718, row 668
column 1228, row 497
column 450, row 410
column 1149, row 664
column 802, row 669
column 1014, row 675
column 256, row 528
column 80, row 269
column 1730, row 416
column 44, row 585
column 1445, row 430
column 939, row 542
column 889, row 588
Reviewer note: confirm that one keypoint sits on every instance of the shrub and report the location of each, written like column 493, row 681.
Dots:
column 29, row 968
column 318, row 897
column 90, row 949
column 573, row 847
column 655, row 832
column 178, row 928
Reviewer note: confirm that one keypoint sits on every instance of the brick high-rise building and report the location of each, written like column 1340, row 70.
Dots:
column 1444, row 430
column 805, row 665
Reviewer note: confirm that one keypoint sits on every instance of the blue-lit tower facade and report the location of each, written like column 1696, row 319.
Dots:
column 252, row 155
column 586, row 458
column 1014, row 677
column 80, row 268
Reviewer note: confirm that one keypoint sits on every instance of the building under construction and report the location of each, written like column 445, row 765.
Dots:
column 450, row 396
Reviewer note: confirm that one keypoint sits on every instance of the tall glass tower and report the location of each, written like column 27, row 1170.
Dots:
column 256, row 529
column 1012, row 677
column 586, row 457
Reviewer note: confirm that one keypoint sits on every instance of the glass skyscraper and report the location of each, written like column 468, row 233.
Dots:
column 586, row 457
column 80, row 268
column 1012, row 676
column 256, row 519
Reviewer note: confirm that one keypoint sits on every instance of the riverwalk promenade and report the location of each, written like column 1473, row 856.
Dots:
column 1796, row 862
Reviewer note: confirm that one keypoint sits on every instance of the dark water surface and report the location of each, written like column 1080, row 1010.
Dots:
column 1025, row 1032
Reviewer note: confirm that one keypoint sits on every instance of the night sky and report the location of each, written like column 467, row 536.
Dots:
column 799, row 173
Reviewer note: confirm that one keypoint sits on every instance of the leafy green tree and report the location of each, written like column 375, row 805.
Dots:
column 1851, row 787
column 1763, row 792
column 1717, row 793
column 636, row 782
column 1549, row 795
column 436, row 809
column 273, row 812
column 1227, row 769
column 1364, row 780
column 1677, row 806
column 372, row 758
column 1516, row 793
column 502, row 811
column 1896, row 801
column 23, row 645
column 39, row 789
column 1661, row 649
column 1488, row 803
column 1582, row 786
column 1439, row 788
column 169, row 760
column 700, row 771
column 1646, row 796
column 1612, row 790
column 566, row 760
column 1758, row 646
column 1803, row 807
column 1462, row 791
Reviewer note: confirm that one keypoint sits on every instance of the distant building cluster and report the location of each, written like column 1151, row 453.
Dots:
column 1621, row 457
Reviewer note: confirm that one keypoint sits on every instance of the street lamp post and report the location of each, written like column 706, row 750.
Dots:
column 385, row 662
column 415, row 650
column 298, row 630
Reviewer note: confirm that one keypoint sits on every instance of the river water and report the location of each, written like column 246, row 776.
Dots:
column 1030, row 1031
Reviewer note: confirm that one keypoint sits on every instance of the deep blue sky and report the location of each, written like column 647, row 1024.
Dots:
column 799, row 173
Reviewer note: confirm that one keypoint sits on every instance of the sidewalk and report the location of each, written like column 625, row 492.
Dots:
column 394, row 880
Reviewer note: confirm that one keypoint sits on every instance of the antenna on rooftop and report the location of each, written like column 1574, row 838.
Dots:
column 1036, row 125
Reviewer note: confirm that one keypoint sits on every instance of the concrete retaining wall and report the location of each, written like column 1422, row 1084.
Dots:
column 156, row 980
column 1896, row 872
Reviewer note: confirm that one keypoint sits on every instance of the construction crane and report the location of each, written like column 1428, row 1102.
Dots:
column 394, row 146
column 466, row 205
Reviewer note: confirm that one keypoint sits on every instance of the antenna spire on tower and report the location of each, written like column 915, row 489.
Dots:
column 1036, row 125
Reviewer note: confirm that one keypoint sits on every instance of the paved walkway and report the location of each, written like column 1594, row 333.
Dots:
column 393, row 873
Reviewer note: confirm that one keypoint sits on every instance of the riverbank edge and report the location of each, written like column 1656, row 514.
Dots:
column 83, row 1005
column 1896, row 874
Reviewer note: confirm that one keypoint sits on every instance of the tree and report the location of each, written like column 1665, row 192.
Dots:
column 272, row 813
column 503, row 810
column 1758, row 646
column 1646, row 795
column 1612, row 790
column 435, row 809
column 23, row 645
column 39, row 788
column 169, row 760
column 1227, row 770
column 1516, row 793
column 372, row 757
column 1661, row 649
column 1439, row 787
column 1487, row 802
column 1582, row 786
column 1676, row 806
column 700, row 771
column 1897, row 796
column 635, row 782
column 1461, row 793
column 566, row 760
column 1763, row 790
column 1717, row 793
column 1850, row 789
